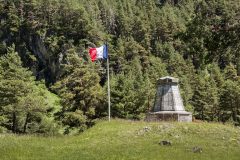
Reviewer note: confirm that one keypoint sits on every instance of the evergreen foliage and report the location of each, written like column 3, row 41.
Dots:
column 24, row 104
column 80, row 93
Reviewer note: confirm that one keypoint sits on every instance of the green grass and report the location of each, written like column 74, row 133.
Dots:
column 121, row 140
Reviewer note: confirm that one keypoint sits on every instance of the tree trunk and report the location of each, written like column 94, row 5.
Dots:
column 25, row 124
column 14, row 123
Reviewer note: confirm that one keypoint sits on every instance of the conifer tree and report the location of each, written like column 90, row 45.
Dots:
column 80, row 92
column 205, row 98
column 229, row 102
column 21, row 101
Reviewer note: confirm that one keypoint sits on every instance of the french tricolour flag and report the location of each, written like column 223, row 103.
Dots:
column 99, row 53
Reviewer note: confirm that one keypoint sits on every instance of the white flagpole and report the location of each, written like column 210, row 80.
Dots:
column 109, row 101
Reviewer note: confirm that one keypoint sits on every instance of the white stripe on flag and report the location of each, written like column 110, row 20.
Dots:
column 100, row 52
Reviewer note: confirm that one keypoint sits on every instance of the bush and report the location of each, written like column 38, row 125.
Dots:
column 49, row 127
column 3, row 129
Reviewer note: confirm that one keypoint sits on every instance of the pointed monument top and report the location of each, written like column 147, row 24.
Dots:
column 167, row 79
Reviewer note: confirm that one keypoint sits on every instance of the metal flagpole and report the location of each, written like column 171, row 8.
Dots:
column 109, row 100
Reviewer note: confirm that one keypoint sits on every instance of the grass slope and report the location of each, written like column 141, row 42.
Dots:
column 121, row 139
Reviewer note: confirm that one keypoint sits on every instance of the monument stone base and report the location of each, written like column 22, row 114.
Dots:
column 180, row 116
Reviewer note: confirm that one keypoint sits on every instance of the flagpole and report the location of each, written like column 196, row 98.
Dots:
column 109, row 100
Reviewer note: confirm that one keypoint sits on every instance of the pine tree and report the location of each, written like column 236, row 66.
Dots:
column 205, row 98
column 229, row 102
column 21, row 101
column 80, row 92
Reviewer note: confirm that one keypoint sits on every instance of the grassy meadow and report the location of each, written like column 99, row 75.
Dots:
column 120, row 140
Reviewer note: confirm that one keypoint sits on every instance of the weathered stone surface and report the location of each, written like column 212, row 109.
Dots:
column 168, row 97
column 181, row 116
column 168, row 102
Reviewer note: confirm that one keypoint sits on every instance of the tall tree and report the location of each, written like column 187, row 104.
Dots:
column 80, row 91
column 230, row 102
column 205, row 98
column 21, row 101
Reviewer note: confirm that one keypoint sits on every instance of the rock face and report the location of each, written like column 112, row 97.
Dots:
column 168, row 102
column 48, row 64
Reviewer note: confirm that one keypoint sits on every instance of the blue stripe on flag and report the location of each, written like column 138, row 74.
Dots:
column 105, row 52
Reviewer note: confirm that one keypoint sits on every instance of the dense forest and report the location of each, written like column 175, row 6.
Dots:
column 48, row 84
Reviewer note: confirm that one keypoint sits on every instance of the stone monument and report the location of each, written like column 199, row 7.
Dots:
column 168, row 104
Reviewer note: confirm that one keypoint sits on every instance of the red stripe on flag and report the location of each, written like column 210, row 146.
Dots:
column 93, row 54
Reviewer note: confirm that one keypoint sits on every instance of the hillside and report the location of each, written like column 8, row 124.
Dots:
column 122, row 139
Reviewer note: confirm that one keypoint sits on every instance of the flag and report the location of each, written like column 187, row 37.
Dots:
column 99, row 53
